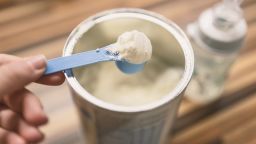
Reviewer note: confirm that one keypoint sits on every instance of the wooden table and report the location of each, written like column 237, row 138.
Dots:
column 29, row 27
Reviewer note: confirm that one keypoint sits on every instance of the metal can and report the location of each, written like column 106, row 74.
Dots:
column 106, row 123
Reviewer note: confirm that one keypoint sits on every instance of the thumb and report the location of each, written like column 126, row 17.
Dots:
column 17, row 74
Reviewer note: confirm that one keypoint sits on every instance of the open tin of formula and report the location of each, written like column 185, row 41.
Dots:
column 116, row 108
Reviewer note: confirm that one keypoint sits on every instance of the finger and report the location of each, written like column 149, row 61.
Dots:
column 11, row 121
column 15, row 75
column 53, row 79
column 8, row 119
column 7, row 58
column 7, row 137
column 28, row 105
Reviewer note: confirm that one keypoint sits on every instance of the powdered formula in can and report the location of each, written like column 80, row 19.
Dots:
column 116, row 108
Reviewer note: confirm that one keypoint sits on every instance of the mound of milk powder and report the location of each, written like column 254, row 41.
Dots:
column 133, row 46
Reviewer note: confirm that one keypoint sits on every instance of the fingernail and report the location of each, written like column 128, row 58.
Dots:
column 38, row 62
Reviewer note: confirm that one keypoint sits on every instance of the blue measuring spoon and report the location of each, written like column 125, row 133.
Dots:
column 90, row 57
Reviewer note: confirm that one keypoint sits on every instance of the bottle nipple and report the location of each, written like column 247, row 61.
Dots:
column 227, row 14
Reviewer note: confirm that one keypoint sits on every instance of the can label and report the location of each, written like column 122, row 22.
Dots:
column 149, row 134
column 144, row 129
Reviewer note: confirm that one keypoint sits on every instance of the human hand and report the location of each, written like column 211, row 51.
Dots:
column 21, row 112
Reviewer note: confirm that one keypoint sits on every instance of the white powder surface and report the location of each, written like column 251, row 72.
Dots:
column 110, row 85
column 133, row 46
column 123, row 92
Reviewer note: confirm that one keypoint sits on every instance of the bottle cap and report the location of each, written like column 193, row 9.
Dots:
column 223, row 27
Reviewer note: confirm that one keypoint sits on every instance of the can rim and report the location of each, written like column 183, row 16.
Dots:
column 145, row 15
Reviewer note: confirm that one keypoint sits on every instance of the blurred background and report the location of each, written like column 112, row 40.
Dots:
column 30, row 27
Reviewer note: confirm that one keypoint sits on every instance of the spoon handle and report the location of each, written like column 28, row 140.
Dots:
column 77, row 60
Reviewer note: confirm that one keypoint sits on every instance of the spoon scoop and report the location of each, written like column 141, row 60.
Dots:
column 129, row 68
column 130, row 53
column 90, row 57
